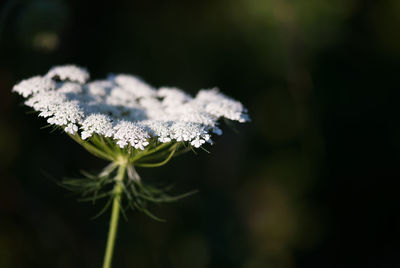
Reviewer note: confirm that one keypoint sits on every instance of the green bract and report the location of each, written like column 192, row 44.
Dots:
column 137, row 193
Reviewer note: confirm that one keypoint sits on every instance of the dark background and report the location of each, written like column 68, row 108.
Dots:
column 310, row 182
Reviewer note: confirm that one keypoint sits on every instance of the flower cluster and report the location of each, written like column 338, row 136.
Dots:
column 126, row 109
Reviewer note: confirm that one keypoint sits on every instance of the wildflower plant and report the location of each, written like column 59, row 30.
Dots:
column 127, row 122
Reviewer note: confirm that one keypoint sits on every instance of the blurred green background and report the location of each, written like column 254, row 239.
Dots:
column 310, row 182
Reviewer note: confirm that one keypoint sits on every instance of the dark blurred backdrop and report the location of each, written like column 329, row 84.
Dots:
column 310, row 182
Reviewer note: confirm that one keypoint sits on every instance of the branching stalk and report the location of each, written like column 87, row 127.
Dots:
column 160, row 163
column 90, row 148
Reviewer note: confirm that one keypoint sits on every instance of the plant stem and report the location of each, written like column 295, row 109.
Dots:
column 160, row 163
column 114, row 215
column 90, row 148
column 149, row 152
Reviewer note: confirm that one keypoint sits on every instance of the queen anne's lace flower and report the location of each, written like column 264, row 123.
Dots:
column 126, row 109
column 123, row 120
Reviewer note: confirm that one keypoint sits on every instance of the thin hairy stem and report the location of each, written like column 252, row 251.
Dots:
column 118, row 188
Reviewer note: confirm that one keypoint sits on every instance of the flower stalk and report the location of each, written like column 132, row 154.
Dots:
column 112, row 233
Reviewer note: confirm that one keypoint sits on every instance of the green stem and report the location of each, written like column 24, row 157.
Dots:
column 101, row 143
column 114, row 215
column 149, row 152
column 160, row 163
column 90, row 148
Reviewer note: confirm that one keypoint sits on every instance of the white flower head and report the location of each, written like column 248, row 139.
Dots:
column 69, row 72
column 130, row 133
column 160, row 129
column 97, row 123
column 124, row 120
column 34, row 85
column 219, row 105
column 133, row 85
column 127, row 110
column 171, row 97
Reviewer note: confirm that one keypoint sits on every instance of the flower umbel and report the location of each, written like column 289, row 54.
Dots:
column 126, row 109
column 129, row 123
